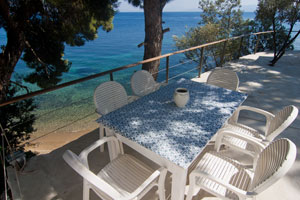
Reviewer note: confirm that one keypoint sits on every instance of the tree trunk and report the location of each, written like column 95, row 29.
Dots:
column 13, row 49
column 153, row 34
column 274, row 36
column 9, row 58
column 282, row 50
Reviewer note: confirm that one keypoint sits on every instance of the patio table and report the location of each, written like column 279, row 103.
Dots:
column 173, row 137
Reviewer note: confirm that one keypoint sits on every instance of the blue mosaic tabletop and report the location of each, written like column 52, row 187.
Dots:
column 177, row 134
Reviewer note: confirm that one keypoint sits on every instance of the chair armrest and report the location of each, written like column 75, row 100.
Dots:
column 162, row 83
column 236, row 114
column 269, row 116
column 156, row 86
column 256, row 143
column 161, row 173
column 84, row 154
column 76, row 163
column 237, row 191
column 132, row 98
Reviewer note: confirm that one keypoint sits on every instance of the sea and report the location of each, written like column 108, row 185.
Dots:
column 119, row 47
column 110, row 50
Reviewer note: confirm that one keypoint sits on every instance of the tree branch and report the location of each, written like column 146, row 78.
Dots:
column 4, row 10
column 280, row 54
column 166, row 30
column 22, row 86
column 38, row 58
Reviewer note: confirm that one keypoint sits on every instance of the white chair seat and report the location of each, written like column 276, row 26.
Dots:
column 223, row 168
column 241, row 143
column 275, row 124
column 227, row 179
column 125, row 174
column 123, row 178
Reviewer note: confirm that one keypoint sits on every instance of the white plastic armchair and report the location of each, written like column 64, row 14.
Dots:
column 143, row 83
column 224, row 78
column 237, row 134
column 108, row 97
column 124, row 178
column 227, row 179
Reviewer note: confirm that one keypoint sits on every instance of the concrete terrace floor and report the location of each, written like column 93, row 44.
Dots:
column 48, row 177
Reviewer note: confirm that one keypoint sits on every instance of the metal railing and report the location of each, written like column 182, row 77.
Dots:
column 167, row 56
column 59, row 113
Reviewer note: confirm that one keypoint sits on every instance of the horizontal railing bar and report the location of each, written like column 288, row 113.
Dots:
column 59, row 128
column 173, row 66
column 43, row 91
column 50, row 112
column 183, row 73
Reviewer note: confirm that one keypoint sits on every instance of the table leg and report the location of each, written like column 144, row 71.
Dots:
column 178, row 184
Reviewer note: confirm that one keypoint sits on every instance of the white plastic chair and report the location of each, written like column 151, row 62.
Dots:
column 124, row 178
column 143, row 83
column 238, row 135
column 225, row 178
column 224, row 78
column 108, row 97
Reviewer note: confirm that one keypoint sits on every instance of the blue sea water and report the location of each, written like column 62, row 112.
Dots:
column 119, row 47
column 110, row 50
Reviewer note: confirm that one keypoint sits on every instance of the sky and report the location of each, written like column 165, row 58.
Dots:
column 186, row 6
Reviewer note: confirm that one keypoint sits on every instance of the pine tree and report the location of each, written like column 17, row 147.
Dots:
column 39, row 30
column 153, row 31
column 220, row 19
column 274, row 15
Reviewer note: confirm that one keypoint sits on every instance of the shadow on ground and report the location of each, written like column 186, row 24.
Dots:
column 269, row 88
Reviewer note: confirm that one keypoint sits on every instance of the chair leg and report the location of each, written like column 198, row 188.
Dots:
column 101, row 135
column 161, row 185
column 218, row 142
column 86, row 190
column 191, row 191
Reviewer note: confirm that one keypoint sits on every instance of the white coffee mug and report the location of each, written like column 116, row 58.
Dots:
column 181, row 97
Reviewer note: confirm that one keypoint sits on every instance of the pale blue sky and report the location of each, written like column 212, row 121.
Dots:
column 186, row 6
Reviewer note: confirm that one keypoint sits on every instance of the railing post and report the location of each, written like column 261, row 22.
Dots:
column 111, row 76
column 257, row 42
column 167, row 68
column 93, row 76
column 223, row 54
column 241, row 46
column 201, row 62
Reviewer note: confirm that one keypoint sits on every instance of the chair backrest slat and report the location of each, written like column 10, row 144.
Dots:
column 281, row 121
column 273, row 163
column 109, row 96
column 224, row 78
column 142, row 83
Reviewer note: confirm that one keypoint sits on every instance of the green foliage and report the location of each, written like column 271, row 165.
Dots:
column 196, row 36
column 17, row 119
column 40, row 30
column 17, row 122
column 281, row 17
column 269, row 16
column 225, row 13
column 140, row 3
column 219, row 19
column 46, row 26
column 136, row 3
